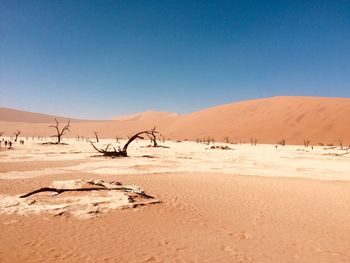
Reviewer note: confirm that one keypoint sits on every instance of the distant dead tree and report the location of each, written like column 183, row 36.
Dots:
column 153, row 137
column 162, row 137
column 117, row 138
column 96, row 136
column 209, row 140
column 17, row 133
column 1, row 134
column 227, row 139
column 61, row 132
column 341, row 144
column 123, row 152
column 253, row 141
column 306, row 142
column 282, row 142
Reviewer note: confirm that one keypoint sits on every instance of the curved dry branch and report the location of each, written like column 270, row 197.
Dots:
column 107, row 153
column 134, row 137
column 59, row 191
column 123, row 152
column 93, row 145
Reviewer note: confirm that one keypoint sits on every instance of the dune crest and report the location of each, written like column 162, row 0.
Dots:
column 269, row 120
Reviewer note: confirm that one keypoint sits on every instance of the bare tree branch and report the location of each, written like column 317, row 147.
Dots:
column 96, row 188
column 18, row 132
column 123, row 152
column 96, row 136
column 60, row 133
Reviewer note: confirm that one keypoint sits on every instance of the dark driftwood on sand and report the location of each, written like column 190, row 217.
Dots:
column 59, row 191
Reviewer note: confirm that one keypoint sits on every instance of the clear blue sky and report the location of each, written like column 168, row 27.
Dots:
column 99, row 59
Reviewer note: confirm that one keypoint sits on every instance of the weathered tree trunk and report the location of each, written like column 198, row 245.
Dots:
column 122, row 152
column 17, row 133
column 96, row 136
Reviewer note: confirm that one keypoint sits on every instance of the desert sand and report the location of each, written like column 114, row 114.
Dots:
column 270, row 120
column 245, row 204
column 189, row 202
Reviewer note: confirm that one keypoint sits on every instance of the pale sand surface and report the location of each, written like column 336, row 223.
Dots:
column 249, row 204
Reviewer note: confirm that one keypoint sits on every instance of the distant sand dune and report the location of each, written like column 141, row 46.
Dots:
column 13, row 115
column 321, row 120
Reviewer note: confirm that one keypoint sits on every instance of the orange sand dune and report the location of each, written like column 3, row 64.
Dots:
column 320, row 120
column 148, row 115
column 13, row 115
column 269, row 120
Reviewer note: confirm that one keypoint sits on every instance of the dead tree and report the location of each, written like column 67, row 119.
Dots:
column 17, row 133
column 208, row 140
column 282, row 142
column 1, row 134
column 306, row 142
column 253, row 141
column 153, row 139
column 96, row 136
column 152, row 136
column 61, row 132
column 123, row 152
column 227, row 139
